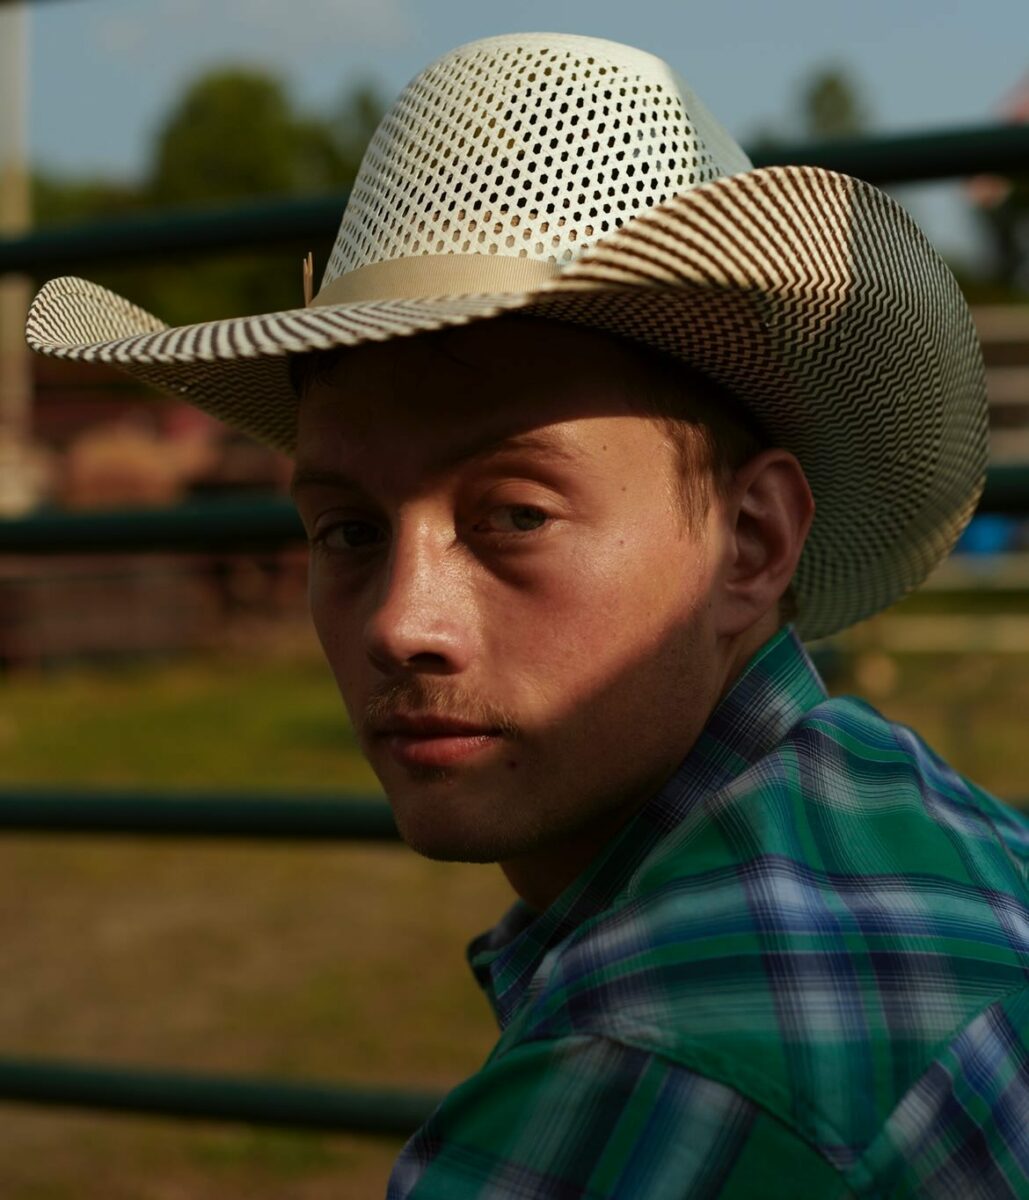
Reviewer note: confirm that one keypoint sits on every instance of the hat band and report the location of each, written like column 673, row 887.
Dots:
column 423, row 276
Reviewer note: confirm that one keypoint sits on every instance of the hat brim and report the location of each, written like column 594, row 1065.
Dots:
column 810, row 295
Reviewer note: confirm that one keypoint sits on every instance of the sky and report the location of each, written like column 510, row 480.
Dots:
column 103, row 72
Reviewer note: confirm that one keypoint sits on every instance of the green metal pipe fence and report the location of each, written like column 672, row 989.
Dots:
column 196, row 814
column 256, row 525
column 265, row 523
column 203, row 1097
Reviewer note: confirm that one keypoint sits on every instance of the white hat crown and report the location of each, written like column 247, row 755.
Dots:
column 527, row 146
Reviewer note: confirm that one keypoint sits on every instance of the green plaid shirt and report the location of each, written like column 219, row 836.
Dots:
column 800, row 971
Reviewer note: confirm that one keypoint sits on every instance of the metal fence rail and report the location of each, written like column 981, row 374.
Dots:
column 196, row 814
column 204, row 1097
column 236, row 525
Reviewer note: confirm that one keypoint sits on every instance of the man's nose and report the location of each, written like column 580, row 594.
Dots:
column 421, row 616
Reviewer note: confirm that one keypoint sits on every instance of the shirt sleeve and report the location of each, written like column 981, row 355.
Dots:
column 590, row 1117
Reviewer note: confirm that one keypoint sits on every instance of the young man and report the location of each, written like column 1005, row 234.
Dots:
column 591, row 421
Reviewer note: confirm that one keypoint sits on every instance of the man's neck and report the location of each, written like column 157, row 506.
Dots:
column 540, row 876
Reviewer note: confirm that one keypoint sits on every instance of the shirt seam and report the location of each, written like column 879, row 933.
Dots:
column 771, row 1095
column 938, row 1051
column 714, row 1066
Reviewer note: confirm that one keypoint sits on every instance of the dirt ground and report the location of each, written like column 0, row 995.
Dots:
column 308, row 963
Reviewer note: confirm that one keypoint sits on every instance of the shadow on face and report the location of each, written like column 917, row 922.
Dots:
column 512, row 373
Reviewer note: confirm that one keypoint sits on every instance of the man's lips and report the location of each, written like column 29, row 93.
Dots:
column 431, row 741
column 428, row 725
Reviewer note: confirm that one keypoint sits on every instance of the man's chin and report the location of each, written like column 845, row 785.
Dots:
column 446, row 845
column 440, row 851
column 447, row 830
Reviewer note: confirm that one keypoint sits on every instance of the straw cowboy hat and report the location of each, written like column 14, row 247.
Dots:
column 582, row 180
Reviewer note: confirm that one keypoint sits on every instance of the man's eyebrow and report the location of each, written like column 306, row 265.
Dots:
column 488, row 446
column 539, row 441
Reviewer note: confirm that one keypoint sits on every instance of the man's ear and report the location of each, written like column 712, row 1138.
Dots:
column 769, row 509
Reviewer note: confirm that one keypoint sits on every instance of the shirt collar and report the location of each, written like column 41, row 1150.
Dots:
column 777, row 686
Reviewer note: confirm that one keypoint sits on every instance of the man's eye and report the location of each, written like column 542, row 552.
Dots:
column 348, row 535
column 517, row 518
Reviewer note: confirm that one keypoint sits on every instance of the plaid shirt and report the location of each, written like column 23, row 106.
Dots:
column 800, row 971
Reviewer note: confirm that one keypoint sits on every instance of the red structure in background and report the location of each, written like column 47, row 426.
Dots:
column 107, row 443
column 990, row 190
column 110, row 443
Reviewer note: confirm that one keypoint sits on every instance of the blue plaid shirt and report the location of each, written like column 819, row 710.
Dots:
column 800, row 971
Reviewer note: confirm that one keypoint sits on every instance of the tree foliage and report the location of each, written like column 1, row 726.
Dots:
column 828, row 103
column 234, row 135
column 831, row 105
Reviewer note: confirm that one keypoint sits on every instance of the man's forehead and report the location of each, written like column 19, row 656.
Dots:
column 505, row 356
column 498, row 342
column 555, row 444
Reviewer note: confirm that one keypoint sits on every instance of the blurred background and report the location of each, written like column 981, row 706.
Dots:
column 133, row 672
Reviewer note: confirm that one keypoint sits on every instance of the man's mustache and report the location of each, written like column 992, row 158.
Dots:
column 406, row 697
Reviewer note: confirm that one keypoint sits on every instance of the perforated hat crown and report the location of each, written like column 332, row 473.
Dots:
column 583, row 181
column 531, row 146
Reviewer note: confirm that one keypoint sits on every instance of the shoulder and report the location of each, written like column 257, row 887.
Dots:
column 872, row 797
column 838, row 911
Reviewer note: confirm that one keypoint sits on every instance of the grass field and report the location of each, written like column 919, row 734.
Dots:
column 308, row 962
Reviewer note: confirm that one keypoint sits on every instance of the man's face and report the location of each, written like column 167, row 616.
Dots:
column 516, row 616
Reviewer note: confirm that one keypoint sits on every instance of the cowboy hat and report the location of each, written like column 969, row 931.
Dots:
column 582, row 180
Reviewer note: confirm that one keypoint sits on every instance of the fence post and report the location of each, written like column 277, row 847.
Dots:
column 17, row 483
